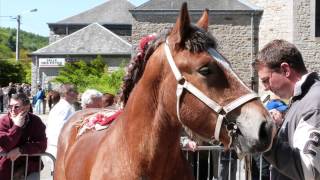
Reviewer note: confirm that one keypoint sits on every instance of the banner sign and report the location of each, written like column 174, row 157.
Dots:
column 51, row 62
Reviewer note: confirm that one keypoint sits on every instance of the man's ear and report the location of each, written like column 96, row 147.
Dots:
column 285, row 68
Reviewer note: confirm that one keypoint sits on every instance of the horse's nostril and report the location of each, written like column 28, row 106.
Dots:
column 265, row 133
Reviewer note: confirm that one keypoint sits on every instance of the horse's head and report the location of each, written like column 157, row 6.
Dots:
column 199, row 89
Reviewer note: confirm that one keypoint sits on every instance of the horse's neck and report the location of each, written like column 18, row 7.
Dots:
column 149, row 130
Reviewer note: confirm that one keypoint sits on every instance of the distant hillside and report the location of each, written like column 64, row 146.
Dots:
column 29, row 42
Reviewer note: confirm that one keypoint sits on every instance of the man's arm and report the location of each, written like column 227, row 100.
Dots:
column 307, row 139
column 302, row 159
column 285, row 159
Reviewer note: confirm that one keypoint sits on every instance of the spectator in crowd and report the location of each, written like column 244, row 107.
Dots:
column 277, row 109
column 53, row 98
column 107, row 100
column 40, row 95
column 1, row 99
column 11, row 90
column 91, row 98
column 19, row 88
column 21, row 133
column 59, row 115
column 295, row 151
column 26, row 89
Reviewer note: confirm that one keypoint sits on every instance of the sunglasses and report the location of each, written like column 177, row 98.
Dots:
column 11, row 107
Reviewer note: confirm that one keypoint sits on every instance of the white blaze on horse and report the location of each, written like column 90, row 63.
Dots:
column 182, row 81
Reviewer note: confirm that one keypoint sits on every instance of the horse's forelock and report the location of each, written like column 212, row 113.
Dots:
column 199, row 41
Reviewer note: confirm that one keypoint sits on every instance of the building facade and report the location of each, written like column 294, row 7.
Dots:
column 296, row 21
column 104, row 31
column 233, row 23
column 241, row 27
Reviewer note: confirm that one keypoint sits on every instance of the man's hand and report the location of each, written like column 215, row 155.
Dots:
column 276, row 116
column 192, row 145
column 14, row 154
column 19, row 119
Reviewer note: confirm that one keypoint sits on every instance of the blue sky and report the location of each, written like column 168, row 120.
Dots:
column 49, row 11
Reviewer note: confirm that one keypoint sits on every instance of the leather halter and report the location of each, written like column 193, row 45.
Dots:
column 222, row 111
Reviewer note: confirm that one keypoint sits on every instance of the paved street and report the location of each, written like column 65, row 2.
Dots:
column 48, row 166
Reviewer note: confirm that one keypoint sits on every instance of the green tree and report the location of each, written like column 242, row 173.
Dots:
column 11, row 43
column 28, row 42
column 5, row 52
column 91, row 75
column 11, row 71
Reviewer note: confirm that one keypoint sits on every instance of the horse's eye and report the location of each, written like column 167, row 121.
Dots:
column 205, row 70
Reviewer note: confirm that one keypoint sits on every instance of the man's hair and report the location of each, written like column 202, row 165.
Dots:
column 66, row 88
column 278, row 51
column 107, row 99
column 88, row 96
column 22, row 97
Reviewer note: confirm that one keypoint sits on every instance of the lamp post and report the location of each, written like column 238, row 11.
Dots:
column 18, row 18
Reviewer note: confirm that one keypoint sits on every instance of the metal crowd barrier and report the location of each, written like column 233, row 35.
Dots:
column 218, row 162
column 213, row 155
column 49, row 157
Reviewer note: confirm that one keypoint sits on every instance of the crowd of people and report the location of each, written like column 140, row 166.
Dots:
column 294, row 154
column 23, row 132
column 7, row 91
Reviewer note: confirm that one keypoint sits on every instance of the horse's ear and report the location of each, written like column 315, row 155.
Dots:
column 182, row 27
column 203, row 21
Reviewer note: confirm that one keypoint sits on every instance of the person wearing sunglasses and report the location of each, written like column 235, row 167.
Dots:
column 295, row 151
column 21, row 132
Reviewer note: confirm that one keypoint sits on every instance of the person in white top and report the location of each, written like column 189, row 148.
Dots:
column 59, row 115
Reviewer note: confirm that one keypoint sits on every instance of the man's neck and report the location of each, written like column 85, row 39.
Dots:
column 68, row 100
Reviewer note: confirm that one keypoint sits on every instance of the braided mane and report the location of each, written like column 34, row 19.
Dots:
column 136, row 67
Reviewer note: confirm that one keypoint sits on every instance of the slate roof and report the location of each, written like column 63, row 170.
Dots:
column 93, row 39
column 110, row 12
column 196, row 5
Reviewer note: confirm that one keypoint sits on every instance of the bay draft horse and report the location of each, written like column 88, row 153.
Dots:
column 183, row 82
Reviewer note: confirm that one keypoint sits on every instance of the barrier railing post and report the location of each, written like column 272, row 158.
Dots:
column 209, row 160
column 26, row 168
column 27, row 163
column 12, row 169
column 229, row 167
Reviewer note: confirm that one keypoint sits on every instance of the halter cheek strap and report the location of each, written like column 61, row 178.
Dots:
column 222, row 111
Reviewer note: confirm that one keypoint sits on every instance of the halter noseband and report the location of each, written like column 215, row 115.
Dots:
column 222, row 111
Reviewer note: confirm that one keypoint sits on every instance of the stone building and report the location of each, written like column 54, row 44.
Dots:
column 296, row 21
column 104, row 30
column 85, row 44
column 235, row 25
column 113, row 15
column 241, row 27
